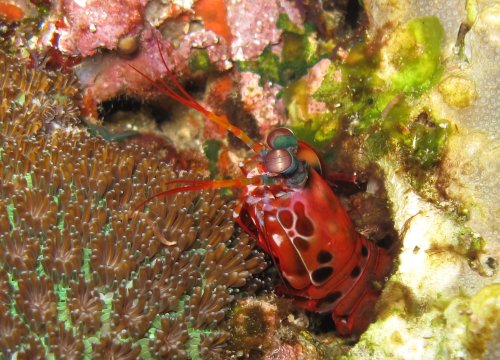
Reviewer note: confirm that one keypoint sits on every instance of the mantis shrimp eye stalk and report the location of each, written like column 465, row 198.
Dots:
column 281, row 138
column 280, row 161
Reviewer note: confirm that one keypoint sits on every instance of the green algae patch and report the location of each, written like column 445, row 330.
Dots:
column 299, row 52
column 375, row 93
column 415, row 53
column 472, row 322
column 284, row 23
column 424, row 142
column 199, row 60
column 267, row 65
column 315, row 128
column 211, row 149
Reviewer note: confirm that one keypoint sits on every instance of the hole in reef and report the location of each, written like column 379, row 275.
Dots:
column 158, row 106
column 348, row 188
column 492, row 263
column 387, row 241
column 320, row 323
column 354, row 11
column 121, row 103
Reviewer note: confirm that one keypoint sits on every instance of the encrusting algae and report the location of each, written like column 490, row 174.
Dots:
column 85, row 275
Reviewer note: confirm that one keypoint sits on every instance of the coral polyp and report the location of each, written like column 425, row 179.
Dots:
column 82, row 273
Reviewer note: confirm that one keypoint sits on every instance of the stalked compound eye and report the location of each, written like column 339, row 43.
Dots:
column 281, row 138
column 280, row 161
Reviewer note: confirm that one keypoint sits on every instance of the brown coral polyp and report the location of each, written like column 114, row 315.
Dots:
column 85, row 305
column 19, row 251
column 170, row 341
column 133, row 312
column 62, row 254
column 12, row 331
column 83, row 270
column 36, row 300
column 110, row 348
column 206, row 305
column 111, row 260
column 65, row 344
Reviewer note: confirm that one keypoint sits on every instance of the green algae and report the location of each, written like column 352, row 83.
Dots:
column 414, row 51
column 211, row 149
column 267, row 65
column 458, row 90
column 299, row 52
column 376, row 93
column 473, row 321
column 424, row 143
column 313, row 128
column 199, row 60
column 284, row 23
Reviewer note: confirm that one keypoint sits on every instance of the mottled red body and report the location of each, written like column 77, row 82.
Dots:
column 295, row 217
column 329, row 267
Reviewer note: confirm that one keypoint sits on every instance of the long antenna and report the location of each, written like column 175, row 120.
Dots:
column 178, row 93
column 197, row 185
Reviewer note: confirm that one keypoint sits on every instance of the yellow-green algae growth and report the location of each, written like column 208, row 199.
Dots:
column 443, row 299
column 375, row 93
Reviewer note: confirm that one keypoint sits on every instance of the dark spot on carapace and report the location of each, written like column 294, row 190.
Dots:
column 355, row 272
column 332, row 297
column 304, row 226
column 286, row 218
column 324, row 256
column 364, row 251
column 301, row 244
column 320, row 275
column 328, row 302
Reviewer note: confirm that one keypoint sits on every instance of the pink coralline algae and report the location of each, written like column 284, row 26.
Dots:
column 313, row 79
column 94, row 24
column 107, row 37
column 253, row 25
column 109, row 76
column 262, row 102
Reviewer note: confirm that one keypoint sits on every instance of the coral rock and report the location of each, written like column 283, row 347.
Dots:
column 93, row 24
